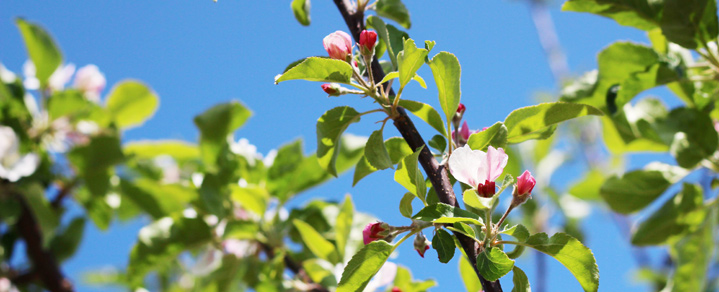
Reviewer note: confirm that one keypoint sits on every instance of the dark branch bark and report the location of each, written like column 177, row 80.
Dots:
column 43, row 261
column 436, row 173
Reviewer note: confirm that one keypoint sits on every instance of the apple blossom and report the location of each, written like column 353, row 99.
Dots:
column 477, row 168
column 464, row 133
column 338, row 45
column 384, row 277
column 90, row 81
column 375, row 231
column 14, row 165
column 523, row 188
column 57, row 80
column 421, row 244
column 367, row 42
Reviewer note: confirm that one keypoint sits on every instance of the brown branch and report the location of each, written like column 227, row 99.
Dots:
column 436, row 173
column 43, row 261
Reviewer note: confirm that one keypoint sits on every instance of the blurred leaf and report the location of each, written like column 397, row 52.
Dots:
column 41, row 48
column 397, row 149
column 588, row 187
column 66, row 242
column 301, row 9
column 343, row 226
column 164, row 240
column 443, row 243
column 131, row 103
column 521, row 283
column 571, row 253
column 158, row 200
column 363, row 265
column 376, row 153
column 496, row 136
column 692, row 134
column 405, row 205
column 690, row 23
column 241, row 230
column 679, row 215
column 394, row 10
column 317, row 244
column 94, row 161
column 409, row 60
column 539, row 121
column 639, row 188
column 177, row 149
column 96, row 207
column 493, row 264
column 318, row 69
column 692, row 255
column 469, row 276
column 330, row 127
column 214, row 194
column 215, row 124
column 254, row 199
column 71, row 103
column 319, row 273
column 410, row 177
column 642, row 14
column 636, row 128
column 447, row 72
column 425, row 112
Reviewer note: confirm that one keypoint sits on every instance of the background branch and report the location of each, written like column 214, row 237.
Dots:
column 437, row 173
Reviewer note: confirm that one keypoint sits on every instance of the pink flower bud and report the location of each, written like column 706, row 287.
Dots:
column 421, row 244
column 458, row 115
column 331, row 89
column 523, row 188
column 461, row 108
column 91, row 81
column 338, row 45
column 396, row 289
column 375, row 231
column 367, row 42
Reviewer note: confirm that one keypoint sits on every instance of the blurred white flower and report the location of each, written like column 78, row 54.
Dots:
column 57, row 80
column 197, row 179
column 574, row 208
column 384, row 277
column 6, row 286
column 170, row 169
column 91, row 81
column 270, row 158
column 13, row 165
column 6, row 75
column 208, row 261
column 246, row 150
column 239, row 248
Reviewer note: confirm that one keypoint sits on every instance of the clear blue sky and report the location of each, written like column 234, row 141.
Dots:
column 196, row 53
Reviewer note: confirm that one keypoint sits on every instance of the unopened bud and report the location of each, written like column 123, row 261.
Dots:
column 367, row 42
column 333, row 89
column 421, row 244
column 338, row 45
column 457, row 118
column 375, row 231
column 523, row 188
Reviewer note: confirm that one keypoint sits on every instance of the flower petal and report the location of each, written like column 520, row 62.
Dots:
column 496, row 161
column 464, row 164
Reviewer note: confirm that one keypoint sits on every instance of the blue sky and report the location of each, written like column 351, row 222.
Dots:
column 196, row 53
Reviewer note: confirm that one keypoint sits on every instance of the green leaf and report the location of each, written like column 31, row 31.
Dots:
column 317, row 244
column 390, row 36
column 41, row 48
column 447, row 71
column 301, row 9
column 588, row 187
column 438, row 142
column 394, row 10
column 318, row 69
column 215, row 125
column 344, row 225
column 425, row 112
column 636, row 128
column 472, row 199
column 637, row 189
column 254, row 199
column 469, row 276
column 440, row 210
column 131, row 103
column 640, row 14
column 493, row 264
column 538, row 121
column 495, row 136
column 453, row 220
column 94, row 162
column 410, row 177
column 330, row 127
column 363, row 265
column 158, row 200
column 692, row 134
column 443, row 243
column 409, row 60
column 571, row 253
column 690, row 23
column 462, row 228
column 520, row 280
column 397, row 149
column 679, row 215
column 72, row 103
column 518, row 231
column 376, row 153
column 692, row 255
column 67, row 241
column 178, row 150
column 164, row 240
column 214, row 196
column 241, row 230
column 405, row 205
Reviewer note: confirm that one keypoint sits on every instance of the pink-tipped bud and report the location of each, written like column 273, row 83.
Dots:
column 461, row 108
column 396, row 289
column 338, row 45
column 375, row 231
column 421, row 244
column 332, row 89
column 458, row 115
column 367, row 42
column 523, row 188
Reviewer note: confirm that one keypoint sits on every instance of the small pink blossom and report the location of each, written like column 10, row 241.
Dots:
column 331, row 88
column 477, row 168
column 464, row 132
column 338, row 45
column 375, row 231
column 367, row 42
column 91, row 81
column 523, row 188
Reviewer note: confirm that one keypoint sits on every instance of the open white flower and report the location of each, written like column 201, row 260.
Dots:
column 13, row 165
column 477, row 168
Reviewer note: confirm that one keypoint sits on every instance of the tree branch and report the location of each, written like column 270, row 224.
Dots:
column 436, row 173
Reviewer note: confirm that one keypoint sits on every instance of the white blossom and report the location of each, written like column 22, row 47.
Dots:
column 13, row 164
